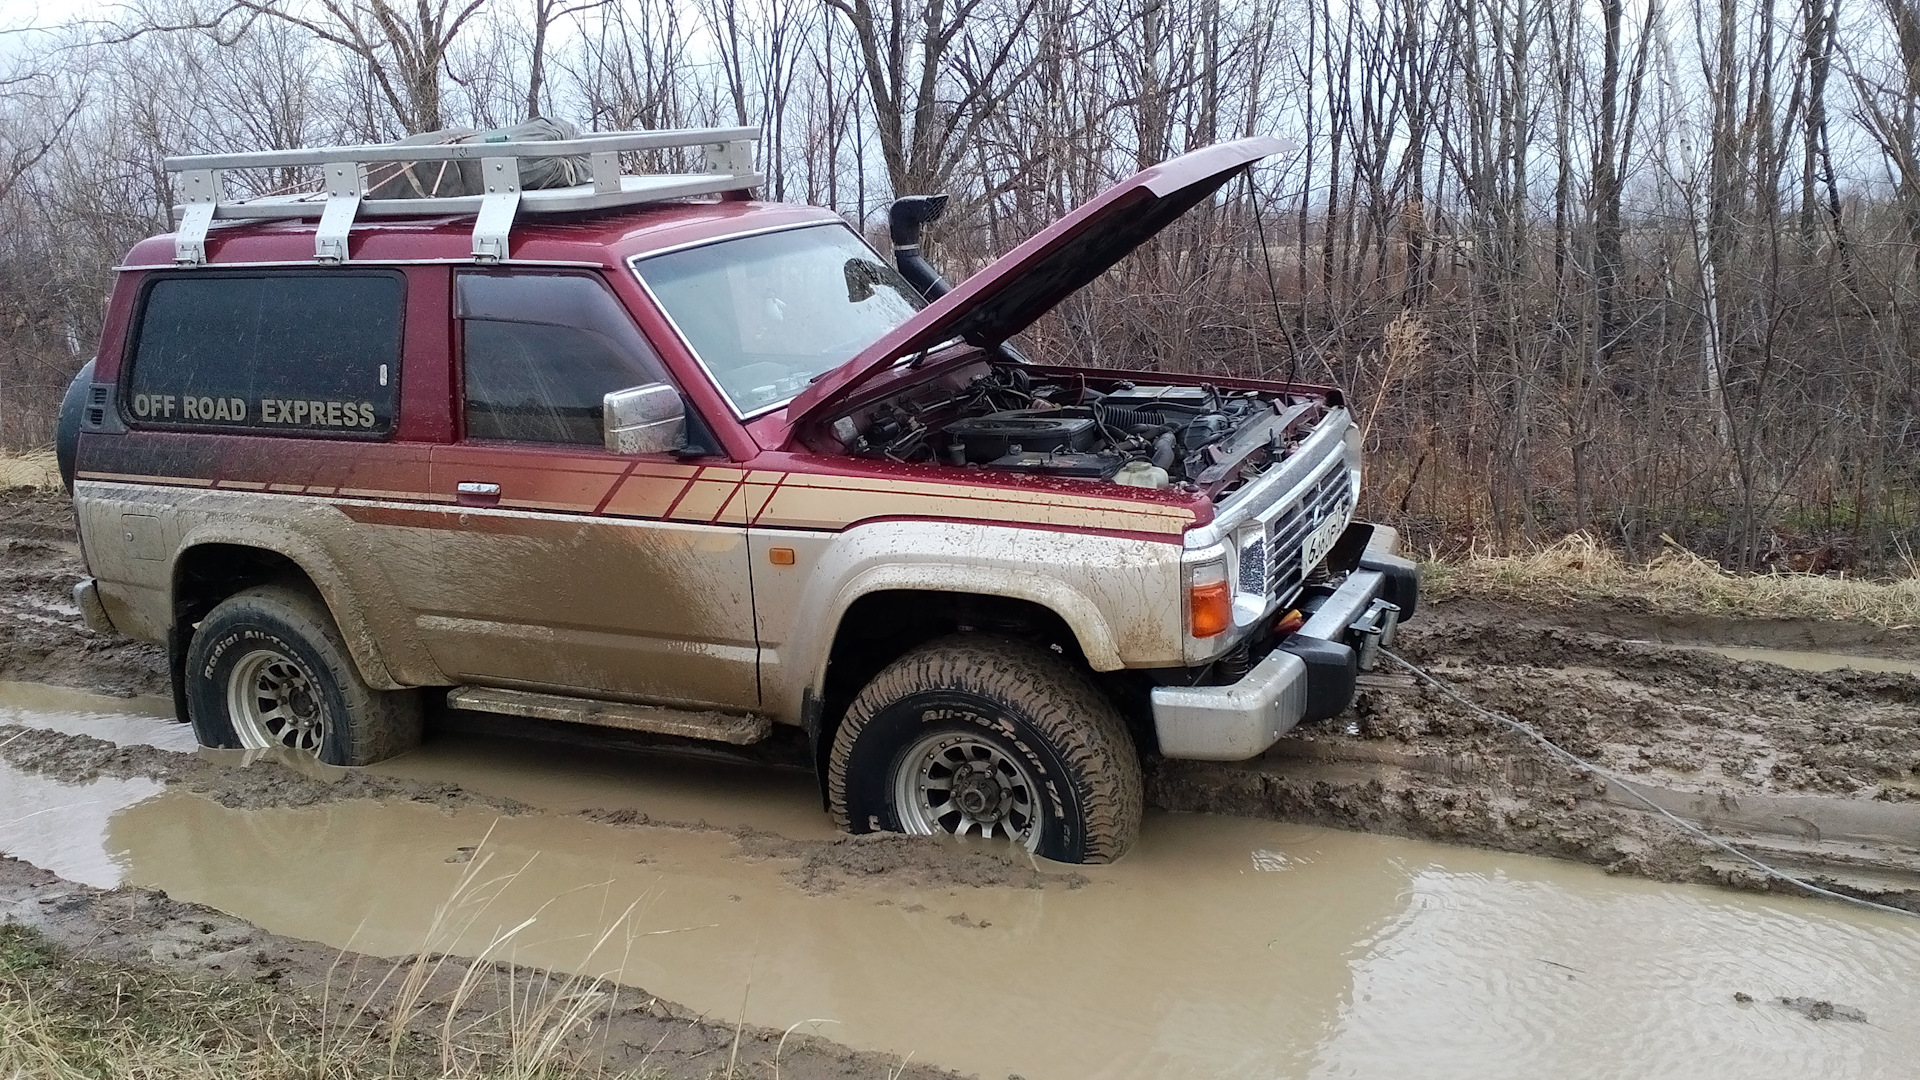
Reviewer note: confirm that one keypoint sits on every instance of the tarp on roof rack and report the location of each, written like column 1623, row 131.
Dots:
column 436, row 179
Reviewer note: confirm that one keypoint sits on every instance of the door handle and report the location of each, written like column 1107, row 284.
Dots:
column 476, row 493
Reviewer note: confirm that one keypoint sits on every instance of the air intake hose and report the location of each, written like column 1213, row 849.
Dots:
column 904, row 220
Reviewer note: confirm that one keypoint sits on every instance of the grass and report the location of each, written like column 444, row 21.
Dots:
column 1579, row 569
column 29, row 468
column 67, row 1017
column 63, row 1017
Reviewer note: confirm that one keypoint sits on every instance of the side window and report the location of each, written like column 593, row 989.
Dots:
column 539, row 353
column 283, row 353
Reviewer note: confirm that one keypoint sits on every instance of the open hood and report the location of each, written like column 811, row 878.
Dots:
column 1010, row 293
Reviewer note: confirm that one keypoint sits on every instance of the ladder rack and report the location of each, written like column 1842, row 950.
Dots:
column 728, row 165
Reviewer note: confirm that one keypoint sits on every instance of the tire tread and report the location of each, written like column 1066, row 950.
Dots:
column 1057, row 698
column 379, row 723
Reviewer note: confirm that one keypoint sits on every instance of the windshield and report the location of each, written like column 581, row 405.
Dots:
column 767, row 313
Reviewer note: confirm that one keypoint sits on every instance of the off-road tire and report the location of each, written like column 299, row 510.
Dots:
column 1033, row 705
column 360, row 725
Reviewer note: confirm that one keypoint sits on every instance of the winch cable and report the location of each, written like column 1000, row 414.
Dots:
column 1571, row 758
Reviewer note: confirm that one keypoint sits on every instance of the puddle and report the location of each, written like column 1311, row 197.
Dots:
column 63, row 827
column 142, row 721
column 1800, row 660
column 1220, row 947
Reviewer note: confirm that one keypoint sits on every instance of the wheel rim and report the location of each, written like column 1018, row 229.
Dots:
column 273, row 702
column 963, row 785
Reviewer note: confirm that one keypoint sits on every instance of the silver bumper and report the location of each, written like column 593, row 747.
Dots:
column 86, row 597
column 1239, row 721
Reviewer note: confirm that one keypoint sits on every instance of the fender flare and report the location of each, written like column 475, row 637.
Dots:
column 1061, row 572
column 322, row 568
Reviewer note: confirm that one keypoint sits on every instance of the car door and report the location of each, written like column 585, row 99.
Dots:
column 561, row 569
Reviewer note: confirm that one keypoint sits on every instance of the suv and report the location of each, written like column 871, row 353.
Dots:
column 618, row 455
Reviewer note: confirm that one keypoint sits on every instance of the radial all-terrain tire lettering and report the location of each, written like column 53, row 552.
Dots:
column 1014, row 704
column 267, row 667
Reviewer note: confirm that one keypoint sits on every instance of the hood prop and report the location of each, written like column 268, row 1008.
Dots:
column 905, row 219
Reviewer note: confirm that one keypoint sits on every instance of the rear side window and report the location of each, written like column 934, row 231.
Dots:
column 289, row 354
column 540, row 351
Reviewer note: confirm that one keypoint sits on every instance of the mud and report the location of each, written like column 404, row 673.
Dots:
column 1784, row 759
column 1764, row 752
column 1815, row 1009
column 42, row 637
column 827, row 866
column 231, row 778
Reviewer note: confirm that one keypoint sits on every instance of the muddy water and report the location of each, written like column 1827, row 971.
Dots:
column 1220, row 947
column 1816, row 661
column 125, row 721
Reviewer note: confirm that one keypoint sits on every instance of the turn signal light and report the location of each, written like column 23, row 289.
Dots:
column 1209, row 609
column 780, row 556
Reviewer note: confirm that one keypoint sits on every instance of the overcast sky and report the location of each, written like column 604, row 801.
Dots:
column 15, row 14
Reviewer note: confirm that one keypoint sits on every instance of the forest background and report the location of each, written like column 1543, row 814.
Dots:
column 1643, row 269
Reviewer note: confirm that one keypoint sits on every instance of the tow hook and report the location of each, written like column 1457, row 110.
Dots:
column 1373, row 631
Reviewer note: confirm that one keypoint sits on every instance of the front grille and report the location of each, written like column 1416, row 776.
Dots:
column 1279, row 553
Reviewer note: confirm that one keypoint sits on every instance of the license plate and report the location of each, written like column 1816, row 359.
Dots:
column 1319, row 542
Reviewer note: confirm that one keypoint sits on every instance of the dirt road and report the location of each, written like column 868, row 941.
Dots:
column 1819, row 770
column 1816, row 771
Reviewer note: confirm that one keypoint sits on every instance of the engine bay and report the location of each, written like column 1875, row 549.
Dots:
column 1015, row 418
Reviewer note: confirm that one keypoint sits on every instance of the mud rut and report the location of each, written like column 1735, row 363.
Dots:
column 1818, row 772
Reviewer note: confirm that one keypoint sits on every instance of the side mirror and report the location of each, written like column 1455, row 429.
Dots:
column 648, row 419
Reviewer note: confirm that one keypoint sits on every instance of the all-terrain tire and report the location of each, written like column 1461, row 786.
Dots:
column 1030, row 705
column 282, row 638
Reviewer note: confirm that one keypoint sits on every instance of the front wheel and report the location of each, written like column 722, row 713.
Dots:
column 971, row 736
column 267, row 669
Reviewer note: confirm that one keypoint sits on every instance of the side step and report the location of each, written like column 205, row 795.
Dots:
column 714, row 726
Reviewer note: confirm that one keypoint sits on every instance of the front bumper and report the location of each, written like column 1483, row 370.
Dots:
column 1309, row 675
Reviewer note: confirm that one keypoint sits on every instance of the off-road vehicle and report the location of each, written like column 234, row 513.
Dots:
column 644, row 453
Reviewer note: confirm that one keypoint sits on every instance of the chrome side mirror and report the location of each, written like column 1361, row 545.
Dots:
column 648, row 419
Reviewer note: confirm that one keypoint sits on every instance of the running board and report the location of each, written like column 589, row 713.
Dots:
column 690, row 724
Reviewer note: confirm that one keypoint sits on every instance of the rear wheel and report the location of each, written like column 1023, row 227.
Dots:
column 267, row 669
column 971, row 736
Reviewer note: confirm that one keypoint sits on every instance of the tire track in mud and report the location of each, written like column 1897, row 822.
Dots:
column 1818, row 771
column 42, row 638
column 227, row 777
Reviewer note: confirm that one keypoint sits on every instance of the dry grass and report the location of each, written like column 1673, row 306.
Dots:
column 30, row 468
column 1579, row 569
column 64, row 1017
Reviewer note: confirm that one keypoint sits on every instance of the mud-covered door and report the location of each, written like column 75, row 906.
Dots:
column 566, row 567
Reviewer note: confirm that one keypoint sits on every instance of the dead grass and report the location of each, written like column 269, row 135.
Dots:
column 1579, row 569
column 65, row 1017
column 29, row 468
column 61, row 1017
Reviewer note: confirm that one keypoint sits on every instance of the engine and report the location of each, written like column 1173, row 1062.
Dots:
column 1198, row 437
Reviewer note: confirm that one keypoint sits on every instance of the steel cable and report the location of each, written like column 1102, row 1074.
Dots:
column 1572, row 758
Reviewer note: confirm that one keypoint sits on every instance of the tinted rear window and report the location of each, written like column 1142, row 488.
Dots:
column 306, row 354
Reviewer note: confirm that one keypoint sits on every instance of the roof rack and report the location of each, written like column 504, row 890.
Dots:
column 728, row 167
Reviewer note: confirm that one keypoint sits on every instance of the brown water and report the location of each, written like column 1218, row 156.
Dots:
column 1220, row 948
column 1801, row 660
